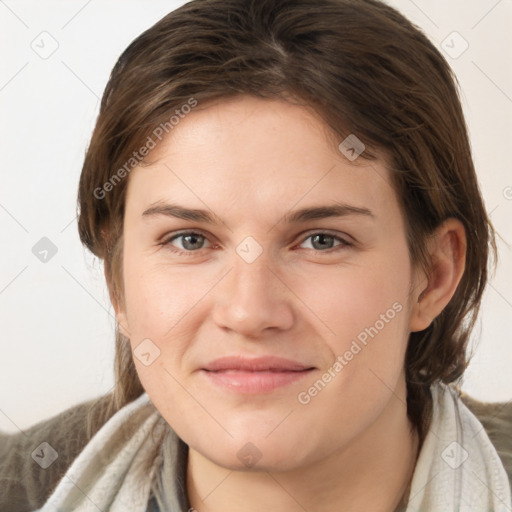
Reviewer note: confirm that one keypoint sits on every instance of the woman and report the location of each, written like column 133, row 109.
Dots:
column 296, row 248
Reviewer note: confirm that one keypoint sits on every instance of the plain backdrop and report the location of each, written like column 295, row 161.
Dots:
column 57, row 324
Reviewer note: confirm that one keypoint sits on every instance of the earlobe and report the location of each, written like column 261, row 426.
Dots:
column 121, row 319
column 122, row 324
column 448, row 256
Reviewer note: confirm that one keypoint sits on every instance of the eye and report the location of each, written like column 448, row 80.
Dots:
column 190, row 242
column 322, row 241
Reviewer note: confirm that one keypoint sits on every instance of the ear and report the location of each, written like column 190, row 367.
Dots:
column 447, row 250
column 119, row 308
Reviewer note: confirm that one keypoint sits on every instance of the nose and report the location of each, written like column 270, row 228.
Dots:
column 252, row 299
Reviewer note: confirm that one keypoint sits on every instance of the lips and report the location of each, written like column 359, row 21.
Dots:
column 260, row 364
column 255, row 375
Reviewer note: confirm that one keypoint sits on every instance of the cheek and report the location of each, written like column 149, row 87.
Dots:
column 367, row 308
column 159, row 306
column 168, row 306
column 356, row 301
column 157, row 297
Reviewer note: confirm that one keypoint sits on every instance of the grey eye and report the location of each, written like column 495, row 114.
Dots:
column 189, row 241
column 323, row 241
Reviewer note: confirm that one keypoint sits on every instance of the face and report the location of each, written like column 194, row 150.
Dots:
column 267, row 285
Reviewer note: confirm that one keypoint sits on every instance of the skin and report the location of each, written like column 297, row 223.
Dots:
column 250, row 162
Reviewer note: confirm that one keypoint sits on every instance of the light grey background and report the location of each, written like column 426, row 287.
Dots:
column 57, row 325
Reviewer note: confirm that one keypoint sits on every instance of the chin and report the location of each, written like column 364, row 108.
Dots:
column 247, row 453
column 275, row 462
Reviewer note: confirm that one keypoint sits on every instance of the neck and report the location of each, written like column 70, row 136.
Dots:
column 373, row 473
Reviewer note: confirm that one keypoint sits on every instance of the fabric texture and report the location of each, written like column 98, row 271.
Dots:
column 107, row 474
column 24, row 484
column 458, row 467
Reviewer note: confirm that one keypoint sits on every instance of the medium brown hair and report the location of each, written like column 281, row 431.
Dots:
column 366, row 70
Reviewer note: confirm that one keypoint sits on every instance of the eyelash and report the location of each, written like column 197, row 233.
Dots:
column 166, row 242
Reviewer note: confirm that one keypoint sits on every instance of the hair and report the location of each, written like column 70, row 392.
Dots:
column 365, row 70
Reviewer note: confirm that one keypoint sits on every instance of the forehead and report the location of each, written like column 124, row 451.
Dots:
column 256, row 156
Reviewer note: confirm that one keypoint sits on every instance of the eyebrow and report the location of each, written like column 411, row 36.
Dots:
column 294, row 217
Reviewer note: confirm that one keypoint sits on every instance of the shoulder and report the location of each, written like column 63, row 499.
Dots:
column 496, row 418
column 26, row 483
